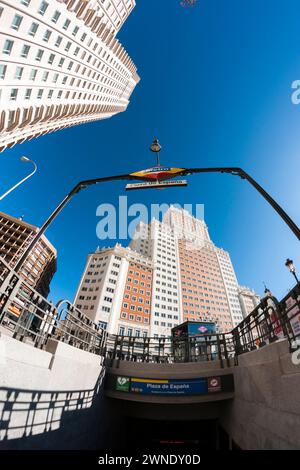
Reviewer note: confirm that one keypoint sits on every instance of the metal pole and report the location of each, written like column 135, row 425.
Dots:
column 22, row 181
column 285, row 217
column 239, row 172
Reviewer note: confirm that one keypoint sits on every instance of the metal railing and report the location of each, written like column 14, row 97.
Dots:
column 31, row 318
column 269, row 322
column 170, row 350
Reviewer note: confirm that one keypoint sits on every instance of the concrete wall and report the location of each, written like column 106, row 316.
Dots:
column 50, row 399
column 265, row 413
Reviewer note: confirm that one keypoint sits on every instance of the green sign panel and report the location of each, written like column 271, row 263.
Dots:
column 123, row 384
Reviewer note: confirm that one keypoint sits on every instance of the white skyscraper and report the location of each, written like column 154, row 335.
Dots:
column 170, row 273
column 61, row 65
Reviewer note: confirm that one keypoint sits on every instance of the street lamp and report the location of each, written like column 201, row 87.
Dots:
column 291, row 267
column 268, row 293
column 156, row 148
column 26, row 160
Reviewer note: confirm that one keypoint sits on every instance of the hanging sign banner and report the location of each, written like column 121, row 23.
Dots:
column 158, row 173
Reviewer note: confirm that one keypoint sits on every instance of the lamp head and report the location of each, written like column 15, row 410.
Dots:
column 24, row 159
column 290, row 265
column 267, row 292
column 155, row 146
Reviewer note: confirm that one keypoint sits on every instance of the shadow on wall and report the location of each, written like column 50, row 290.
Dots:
column 38, row 419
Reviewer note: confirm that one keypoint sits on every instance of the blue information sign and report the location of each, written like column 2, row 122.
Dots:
column 169, row 387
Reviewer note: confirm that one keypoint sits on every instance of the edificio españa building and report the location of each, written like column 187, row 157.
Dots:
column 170, row 273
column 61, row 65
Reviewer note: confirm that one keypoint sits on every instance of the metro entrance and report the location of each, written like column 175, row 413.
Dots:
column 154, row 434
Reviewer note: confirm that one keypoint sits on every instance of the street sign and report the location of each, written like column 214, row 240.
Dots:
column 214, row 384
column 169, row 386
column 157, row 173
column 156, row 184
column 123, row 384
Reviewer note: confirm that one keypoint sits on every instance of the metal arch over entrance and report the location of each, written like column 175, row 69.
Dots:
column 180, row 172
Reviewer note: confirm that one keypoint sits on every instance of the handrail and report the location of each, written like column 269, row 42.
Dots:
column 29, row 317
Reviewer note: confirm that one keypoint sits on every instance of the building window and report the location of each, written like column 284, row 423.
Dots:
column 32, row 75
column 25, row 2
column 58, row 41
column 13, row 94
column 121, row 331
column 51, row 59
column 25, row 51
column 40, row 93
column 45, row 76
column 33, row 29
column 2, row 71
column 66, row 24
column 55, row 16
column 8, row 45
column 28, row 94
column 43, row 8
column 16, row 22
column 47, row 35
column 39, row 55
column 103, row 325
column 19, row 73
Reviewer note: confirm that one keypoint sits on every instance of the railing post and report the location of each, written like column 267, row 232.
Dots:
column 9, row 293
column 115, row 347
column 225, row 350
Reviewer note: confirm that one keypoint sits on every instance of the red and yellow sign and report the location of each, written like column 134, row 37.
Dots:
column 157, row 173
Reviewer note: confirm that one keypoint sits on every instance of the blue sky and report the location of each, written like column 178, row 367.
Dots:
column 216, row 90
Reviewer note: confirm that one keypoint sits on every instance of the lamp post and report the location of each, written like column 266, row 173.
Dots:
column 268, row 293
column 27, row 160
column 291, row 267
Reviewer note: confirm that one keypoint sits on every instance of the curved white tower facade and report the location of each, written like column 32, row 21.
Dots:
column 61, row 65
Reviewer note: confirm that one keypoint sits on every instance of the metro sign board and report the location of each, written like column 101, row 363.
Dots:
column 156, row 184
column 202, row 329
column 171, row 387
column 157, row 173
